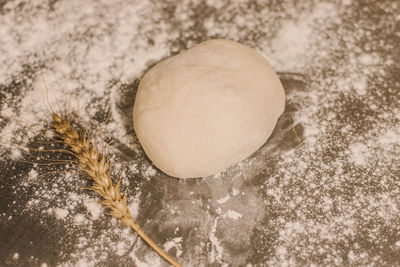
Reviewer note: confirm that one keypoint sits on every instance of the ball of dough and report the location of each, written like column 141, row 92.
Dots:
column 207, row 108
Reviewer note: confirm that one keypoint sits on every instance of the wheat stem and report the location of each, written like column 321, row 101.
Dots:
column 96, row 166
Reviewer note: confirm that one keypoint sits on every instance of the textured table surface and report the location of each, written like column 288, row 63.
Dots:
column 324, row 189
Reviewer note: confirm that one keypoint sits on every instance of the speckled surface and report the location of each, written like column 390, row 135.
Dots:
column 324, row 189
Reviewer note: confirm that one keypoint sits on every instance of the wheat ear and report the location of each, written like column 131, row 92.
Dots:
column 94, row 164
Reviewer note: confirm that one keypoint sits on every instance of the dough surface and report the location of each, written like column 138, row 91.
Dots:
column 207, row 108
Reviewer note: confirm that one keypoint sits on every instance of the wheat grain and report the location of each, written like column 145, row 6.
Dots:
column 95, row 165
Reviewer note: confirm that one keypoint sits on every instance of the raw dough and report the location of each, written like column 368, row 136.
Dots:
column 207, row 108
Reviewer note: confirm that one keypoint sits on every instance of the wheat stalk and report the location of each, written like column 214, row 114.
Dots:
column 94, row 163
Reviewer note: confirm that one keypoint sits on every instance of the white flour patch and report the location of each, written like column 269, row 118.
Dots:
column 79, row 219
column 360, row 85
column 61, row 213
column 174, row 243
column 224, row 199
column 217, row 250
column 33, row 175
column 359, row 153
column 150, row 171
column 232, row 214
column 390, row 137
column 94, row 208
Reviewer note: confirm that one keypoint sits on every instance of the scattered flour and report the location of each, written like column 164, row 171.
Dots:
column 327, row 193
column 233, row 214
column 217, row 249
column 224, row 199
column 94, row 208
column 33, row 175
column 359, row 153
column 150, row 171
column 174, row 243
column 61, row 213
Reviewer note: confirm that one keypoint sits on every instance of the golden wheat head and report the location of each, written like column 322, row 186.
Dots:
column 94, row 163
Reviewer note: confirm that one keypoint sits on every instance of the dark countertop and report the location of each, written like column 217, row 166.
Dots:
column 324, row 189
